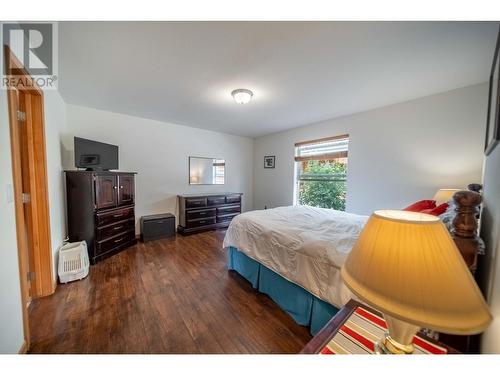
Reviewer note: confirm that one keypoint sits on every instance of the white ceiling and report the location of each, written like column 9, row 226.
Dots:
column 300, row 72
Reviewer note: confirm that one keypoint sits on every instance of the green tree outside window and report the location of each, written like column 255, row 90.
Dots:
column 322, row 183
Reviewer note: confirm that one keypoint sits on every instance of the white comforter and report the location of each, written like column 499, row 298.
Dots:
column 305, row 245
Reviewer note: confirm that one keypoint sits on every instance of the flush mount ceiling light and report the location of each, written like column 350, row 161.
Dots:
column 242, row 96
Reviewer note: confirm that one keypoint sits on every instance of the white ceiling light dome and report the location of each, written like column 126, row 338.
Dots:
column 242, row 96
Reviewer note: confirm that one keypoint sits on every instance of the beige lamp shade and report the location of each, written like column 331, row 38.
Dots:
column 406, row 265
column 444, row 195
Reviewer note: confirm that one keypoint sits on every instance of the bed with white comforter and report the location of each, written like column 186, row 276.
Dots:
column 305, row 245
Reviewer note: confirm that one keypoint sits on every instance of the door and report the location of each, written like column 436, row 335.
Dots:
column 33, row 187
column 106, row 191
column 125, row 189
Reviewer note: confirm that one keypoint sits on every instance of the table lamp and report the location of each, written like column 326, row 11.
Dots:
column 406, row 265
column 444, row 195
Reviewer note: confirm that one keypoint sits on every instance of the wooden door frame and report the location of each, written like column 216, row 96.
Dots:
column 43, row 283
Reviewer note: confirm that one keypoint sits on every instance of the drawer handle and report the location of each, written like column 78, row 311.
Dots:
column 115, row 187
column 119, row 240
column 160, row 222
column 120, row 227
column 203, row 221
column 118, row 215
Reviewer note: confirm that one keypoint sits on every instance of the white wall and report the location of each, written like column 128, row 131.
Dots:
column 55, row 128
column 159, row 153
column 490, row 264
column 11, row 318
column 397, row 154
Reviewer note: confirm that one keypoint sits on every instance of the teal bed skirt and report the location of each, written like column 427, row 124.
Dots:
column 305, row 308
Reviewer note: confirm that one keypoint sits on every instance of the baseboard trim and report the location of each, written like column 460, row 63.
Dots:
column 24, row 348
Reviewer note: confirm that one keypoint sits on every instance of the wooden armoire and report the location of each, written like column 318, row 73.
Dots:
column 101, row 211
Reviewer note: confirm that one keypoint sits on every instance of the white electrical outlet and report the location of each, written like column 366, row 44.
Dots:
column 9, row 193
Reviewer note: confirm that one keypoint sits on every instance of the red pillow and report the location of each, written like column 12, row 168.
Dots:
column 441, row 209
column 421, row 205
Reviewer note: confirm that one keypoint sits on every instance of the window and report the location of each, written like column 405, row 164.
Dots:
column 219, row 171
column 321, row 172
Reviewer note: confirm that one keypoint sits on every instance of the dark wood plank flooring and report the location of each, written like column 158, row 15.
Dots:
column 166, row 296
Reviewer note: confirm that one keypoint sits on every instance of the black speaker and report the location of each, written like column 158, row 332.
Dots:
column 154, row 227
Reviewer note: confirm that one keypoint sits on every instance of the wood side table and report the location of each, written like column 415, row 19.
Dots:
column 356, row 328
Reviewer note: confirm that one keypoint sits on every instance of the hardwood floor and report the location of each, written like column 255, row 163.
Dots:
column 165, row 296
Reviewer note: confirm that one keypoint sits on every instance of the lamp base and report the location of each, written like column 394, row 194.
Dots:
column 398, row 338
column 390, row 346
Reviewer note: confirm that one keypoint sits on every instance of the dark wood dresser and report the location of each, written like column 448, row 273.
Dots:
column 202, row 212
column 101, row 211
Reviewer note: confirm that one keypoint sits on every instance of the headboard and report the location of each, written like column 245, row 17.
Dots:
column 461, row 218
column 463, row 224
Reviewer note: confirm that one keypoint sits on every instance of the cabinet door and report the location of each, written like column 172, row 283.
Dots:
column 106, row 189
column 125, row 189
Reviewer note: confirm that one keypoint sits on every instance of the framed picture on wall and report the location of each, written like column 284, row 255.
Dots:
column 493, row 119
column 269, row 161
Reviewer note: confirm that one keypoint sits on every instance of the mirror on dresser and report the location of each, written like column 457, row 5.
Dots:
column 207, row 171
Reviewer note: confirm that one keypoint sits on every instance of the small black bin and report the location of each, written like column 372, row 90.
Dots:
column 157, row 226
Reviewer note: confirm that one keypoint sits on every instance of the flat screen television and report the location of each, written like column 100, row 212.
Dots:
column 95, row 156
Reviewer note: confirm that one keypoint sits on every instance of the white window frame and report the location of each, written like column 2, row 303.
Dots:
column 335, row 153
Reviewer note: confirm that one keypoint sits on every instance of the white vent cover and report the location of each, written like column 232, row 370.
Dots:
column 73, row 262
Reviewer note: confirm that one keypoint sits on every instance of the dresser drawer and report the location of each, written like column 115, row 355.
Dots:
column 196, row 202
column 200, row 222
column 200, row 214
column 214, row 201
column 226, row 218
column 111, row 217
column 103, row 233
column 112, row 243
column 228, row 209
column 233, row 199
